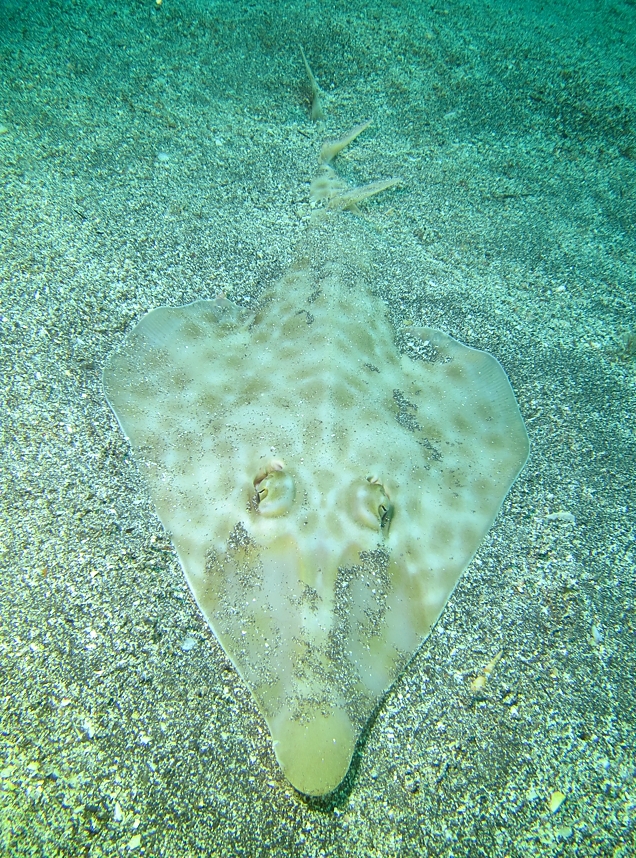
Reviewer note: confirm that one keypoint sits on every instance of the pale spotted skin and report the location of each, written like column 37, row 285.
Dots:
column 324, row 492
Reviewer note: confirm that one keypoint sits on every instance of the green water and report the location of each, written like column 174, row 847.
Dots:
column 156, row 154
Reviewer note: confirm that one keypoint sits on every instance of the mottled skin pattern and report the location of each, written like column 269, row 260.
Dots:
column 324, row 492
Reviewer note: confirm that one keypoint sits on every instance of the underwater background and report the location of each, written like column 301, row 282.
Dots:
column 155, row 153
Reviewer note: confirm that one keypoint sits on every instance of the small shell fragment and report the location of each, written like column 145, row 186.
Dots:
column 556, row 800
column 561, row 515
column 188, row 643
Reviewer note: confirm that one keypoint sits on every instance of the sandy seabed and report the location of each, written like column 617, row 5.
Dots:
column 154, row 154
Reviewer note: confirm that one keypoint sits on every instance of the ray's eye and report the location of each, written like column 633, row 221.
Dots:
column 385, row 511
column 274, row 491
column 370, row 506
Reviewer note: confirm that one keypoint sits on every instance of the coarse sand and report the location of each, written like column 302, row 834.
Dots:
column 158, row 152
